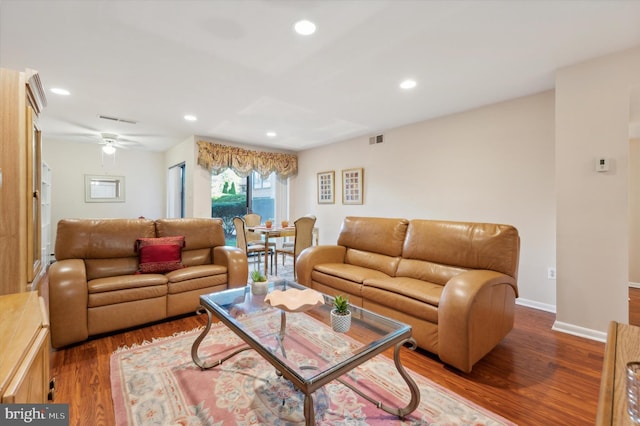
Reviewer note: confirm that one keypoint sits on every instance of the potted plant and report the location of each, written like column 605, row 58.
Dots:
column 268, row 223
column 340, row 314
column 259, row 284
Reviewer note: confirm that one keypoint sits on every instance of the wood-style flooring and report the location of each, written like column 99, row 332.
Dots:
column 634, row 306
column 536, row 376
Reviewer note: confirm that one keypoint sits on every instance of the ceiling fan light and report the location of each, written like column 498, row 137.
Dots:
column 305, row 27
column 109, row 149
column 408, row 84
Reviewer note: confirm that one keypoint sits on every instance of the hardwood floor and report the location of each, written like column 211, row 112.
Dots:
column 634, row 306
column 536, row 376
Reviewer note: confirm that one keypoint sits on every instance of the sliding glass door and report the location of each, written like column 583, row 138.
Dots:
column 232, row 195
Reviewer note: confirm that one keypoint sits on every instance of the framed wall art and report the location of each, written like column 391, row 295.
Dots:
column 352, row 186
column 326, row 187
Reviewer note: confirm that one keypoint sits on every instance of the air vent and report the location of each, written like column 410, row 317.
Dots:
column 120, row 120
column 376, row 139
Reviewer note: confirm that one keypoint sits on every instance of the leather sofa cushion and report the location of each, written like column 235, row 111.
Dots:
column 114, row 290
column 332, row 285
column 353, row 273
column 207, row 281
column 427, row 271
column 128, row 295
column 422, row 291
column 199, row 233
column 467, row 245
column 375, row 261
column 100, row 238
column 102, row 285
column 196, row 257
column 102, row 268
column 193, row 272
column 413, row 297
column 376, row 235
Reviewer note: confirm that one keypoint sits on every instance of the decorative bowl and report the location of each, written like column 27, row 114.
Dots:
column 294, row 300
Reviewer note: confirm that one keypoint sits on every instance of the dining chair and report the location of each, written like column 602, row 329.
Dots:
column 303, row 239
column 242, row 243
column 254, row 219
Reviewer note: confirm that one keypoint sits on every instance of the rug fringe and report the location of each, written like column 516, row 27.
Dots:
column 156, row 339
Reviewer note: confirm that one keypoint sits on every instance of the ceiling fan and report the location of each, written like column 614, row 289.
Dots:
column 110, row 141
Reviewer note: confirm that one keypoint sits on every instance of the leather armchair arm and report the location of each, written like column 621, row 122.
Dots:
column 236, row 262
column 476, row 311
column 68, row 298
column 315, row 255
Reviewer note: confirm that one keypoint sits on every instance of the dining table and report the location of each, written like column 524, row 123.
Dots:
column 276, row 232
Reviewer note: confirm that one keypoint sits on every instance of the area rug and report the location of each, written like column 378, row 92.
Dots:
column 157, row 383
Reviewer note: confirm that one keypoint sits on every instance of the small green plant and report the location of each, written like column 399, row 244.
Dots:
column 256, row 276
column 341, row 304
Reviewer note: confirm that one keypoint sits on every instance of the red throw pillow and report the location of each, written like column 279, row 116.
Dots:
column 159, row 255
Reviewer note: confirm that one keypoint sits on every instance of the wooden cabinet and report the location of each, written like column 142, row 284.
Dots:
column 623, row 346
column 21, row 101
column 24, row 354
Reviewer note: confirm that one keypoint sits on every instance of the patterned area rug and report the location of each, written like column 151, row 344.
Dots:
column 157, row 383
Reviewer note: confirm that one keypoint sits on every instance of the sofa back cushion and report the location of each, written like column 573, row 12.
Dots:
column 201, row 235
column 462, row 245
column 108, row 246
column 374, row 235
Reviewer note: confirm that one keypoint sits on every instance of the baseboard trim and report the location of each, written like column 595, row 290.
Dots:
column 634, row 285
column 536, row 305
column 579, row 331
column 564, row 327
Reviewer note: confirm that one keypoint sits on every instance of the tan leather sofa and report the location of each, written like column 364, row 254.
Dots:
column 94, row 286
column 455, row 283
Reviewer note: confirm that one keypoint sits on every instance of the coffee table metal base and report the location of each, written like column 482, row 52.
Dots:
column 309, row 413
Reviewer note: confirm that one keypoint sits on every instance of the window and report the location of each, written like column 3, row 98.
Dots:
column 103, row 189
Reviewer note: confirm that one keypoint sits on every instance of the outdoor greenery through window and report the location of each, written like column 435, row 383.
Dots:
column 232, row 195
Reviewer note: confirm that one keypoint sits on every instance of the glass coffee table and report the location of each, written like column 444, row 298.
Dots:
column 265, row 329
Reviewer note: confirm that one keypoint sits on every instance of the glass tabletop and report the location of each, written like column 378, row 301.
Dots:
column 304, row 342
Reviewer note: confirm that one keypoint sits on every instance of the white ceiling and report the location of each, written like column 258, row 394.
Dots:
column 239, row 67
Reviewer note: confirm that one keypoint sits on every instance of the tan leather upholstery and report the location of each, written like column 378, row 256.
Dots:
column 94, row 288
column 455, row 283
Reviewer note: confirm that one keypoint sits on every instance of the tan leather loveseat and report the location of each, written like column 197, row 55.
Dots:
column 455, row 283
column 95, row 286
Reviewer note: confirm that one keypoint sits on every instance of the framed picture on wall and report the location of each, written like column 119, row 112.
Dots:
column 326, row 187
column 352, row 186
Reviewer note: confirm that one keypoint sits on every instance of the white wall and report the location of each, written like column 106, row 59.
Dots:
column 144, row 178
column 184, row 152
column 592, row 116
column 493, row 164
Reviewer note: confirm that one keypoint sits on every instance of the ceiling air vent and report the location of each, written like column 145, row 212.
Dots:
column 376, row 139
column 120, row 120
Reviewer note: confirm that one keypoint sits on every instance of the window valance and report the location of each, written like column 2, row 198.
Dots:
column 216, row 158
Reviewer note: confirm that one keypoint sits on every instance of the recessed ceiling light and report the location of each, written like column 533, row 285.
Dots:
column 60, row 91
column 408, row 84
column 305, row 27
column 189, row 117
column 272, row 134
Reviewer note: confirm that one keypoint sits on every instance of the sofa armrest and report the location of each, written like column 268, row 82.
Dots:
column 236, row 262
column 68, row 299
column 476, row 311
column 316, row 255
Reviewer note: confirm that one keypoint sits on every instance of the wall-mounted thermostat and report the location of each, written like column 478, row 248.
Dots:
column 602, row 164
